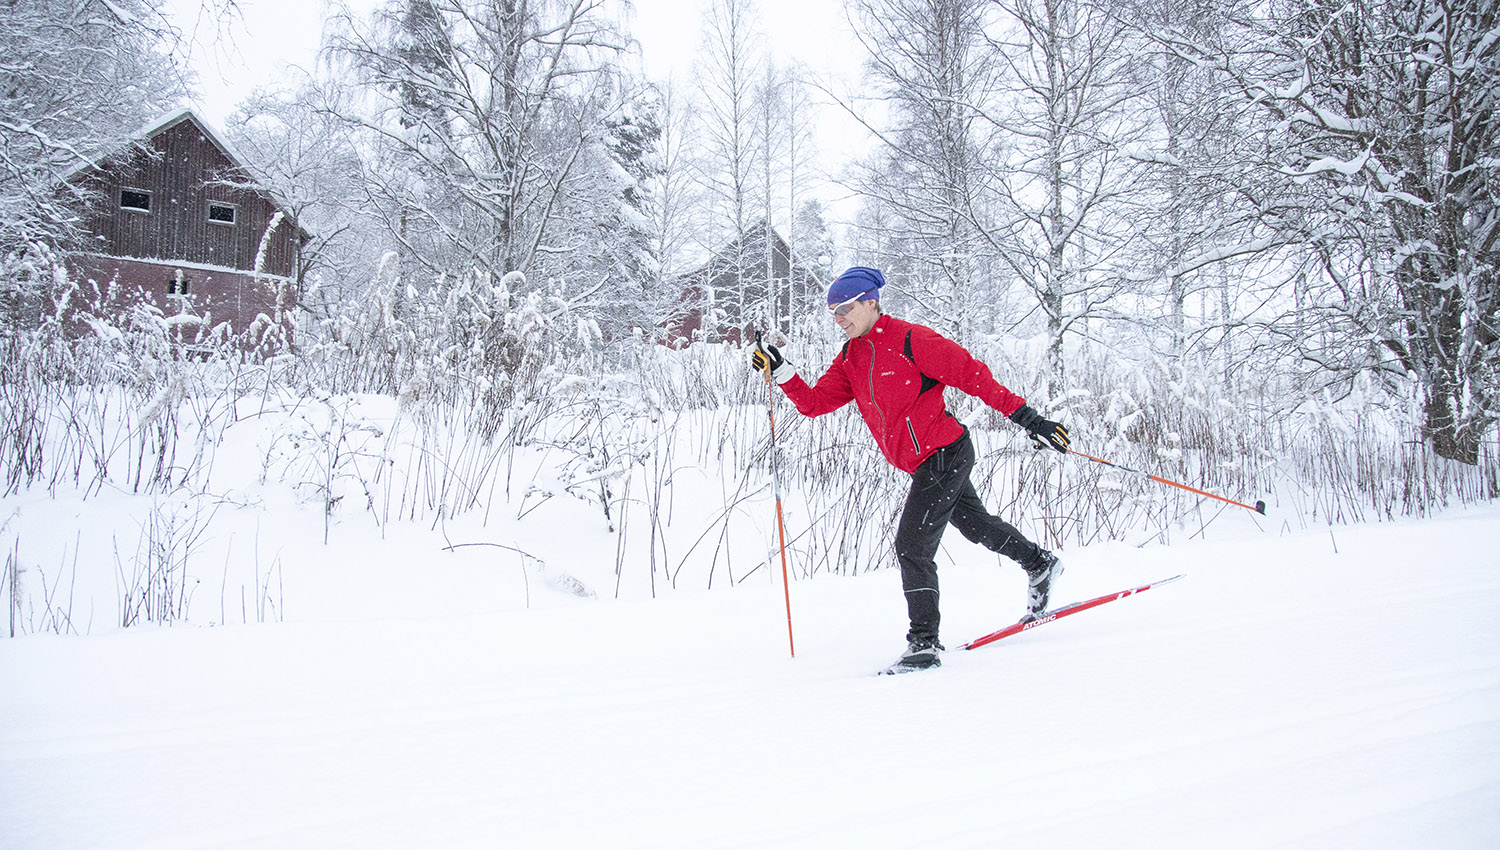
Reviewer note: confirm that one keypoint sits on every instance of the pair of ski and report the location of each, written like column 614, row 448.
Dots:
column 1044, row 619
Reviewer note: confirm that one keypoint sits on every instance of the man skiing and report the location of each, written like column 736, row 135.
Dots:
column 896, row 372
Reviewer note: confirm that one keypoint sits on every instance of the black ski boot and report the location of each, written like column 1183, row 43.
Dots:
column 920, row 654
column 1041, row 576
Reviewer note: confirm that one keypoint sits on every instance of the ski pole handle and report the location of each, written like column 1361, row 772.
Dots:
column 765, row 369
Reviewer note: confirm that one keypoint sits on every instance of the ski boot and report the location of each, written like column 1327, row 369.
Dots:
column 1041, row 575
column 920, row 654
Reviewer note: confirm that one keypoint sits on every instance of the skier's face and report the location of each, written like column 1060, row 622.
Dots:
column 859, row 319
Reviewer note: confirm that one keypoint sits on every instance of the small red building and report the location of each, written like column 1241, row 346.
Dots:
column 180, row 220
column 753, row 282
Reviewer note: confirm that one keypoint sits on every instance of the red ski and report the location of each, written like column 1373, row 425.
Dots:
column 1066, row 610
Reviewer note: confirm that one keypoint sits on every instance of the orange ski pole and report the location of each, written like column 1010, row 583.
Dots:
column 786, row 585
column 1259, row 506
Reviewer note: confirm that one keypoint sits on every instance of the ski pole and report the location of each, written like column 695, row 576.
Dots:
column 786, row 586
column 1259, row 506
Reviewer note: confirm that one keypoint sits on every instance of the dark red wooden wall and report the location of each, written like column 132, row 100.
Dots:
column 183, row 172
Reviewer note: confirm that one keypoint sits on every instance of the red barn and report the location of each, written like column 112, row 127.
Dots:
column 755, row 281
column 179, row 219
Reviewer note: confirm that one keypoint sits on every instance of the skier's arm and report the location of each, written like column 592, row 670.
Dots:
column 951, row 363
column 832, row 391
column 942, row 358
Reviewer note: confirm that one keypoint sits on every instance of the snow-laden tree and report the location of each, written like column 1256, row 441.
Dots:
column 477, row 118
column 1200, row 210
column 308, row 161
column 78, row 80
column 606, row 222
column 813, row 239
column 1387, row 125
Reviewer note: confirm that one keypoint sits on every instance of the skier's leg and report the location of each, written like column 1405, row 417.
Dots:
column 935, row 487
column 977, row 524
column 982, row 527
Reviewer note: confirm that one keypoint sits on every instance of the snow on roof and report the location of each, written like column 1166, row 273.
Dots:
column 171, row 119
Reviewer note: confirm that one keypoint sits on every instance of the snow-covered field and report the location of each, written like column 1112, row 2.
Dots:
column 1298, row 689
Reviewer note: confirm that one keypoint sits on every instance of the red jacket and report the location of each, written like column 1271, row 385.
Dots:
column 896, row 373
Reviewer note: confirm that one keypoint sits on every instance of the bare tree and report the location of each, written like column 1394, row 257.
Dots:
column 1065, row 224
column 730, row 72
column 730, row 63
column 480, row 114
column 673, row 190
column 789, row 131
column 930, row 76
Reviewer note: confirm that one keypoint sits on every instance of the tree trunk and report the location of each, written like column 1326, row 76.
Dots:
column 1450, row 432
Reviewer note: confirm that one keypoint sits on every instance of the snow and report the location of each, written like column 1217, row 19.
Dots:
column 182, row 264
column 1319, row 116
column 1334, row 164
column 1145, row 153
column 1313, row 688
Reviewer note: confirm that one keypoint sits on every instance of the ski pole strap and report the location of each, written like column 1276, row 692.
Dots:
column 1259, row 506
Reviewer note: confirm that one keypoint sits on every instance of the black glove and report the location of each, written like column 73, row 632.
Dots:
column 765, row 357
column 1044, row 432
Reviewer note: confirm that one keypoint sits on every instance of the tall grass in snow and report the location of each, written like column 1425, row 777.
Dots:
column 508, row 404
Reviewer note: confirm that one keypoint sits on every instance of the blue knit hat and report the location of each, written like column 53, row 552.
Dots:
column 858, row 281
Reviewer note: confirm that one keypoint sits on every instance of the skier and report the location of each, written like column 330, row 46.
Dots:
column 896, row 373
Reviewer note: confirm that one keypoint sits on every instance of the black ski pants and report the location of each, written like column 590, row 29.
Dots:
column 942, row 493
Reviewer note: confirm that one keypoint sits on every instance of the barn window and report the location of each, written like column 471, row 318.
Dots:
column 221, row 213
column 135, row 199
column 178, row 284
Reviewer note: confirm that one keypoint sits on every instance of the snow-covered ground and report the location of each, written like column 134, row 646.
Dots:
column 1308, row 689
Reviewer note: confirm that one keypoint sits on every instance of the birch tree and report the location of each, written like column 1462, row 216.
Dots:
column 806, row 232
column 1067, row 224
column 931, row 75
column 730, row 71
column 479, row 115
column 786, row 147
column 673, row 192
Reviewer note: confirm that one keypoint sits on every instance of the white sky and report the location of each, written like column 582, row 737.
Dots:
column 276, row 34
